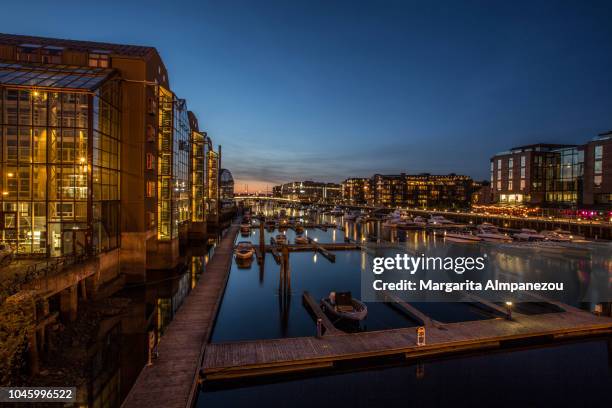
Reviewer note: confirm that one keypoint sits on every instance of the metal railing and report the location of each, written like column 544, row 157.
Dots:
column 29, row 272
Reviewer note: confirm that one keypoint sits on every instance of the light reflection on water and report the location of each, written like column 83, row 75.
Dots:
column 252, row 295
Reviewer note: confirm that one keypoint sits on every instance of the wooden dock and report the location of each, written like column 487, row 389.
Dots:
column 314, row 307
column 267, row 357
column 414, row 313
column 171, row 382
column 314, row 245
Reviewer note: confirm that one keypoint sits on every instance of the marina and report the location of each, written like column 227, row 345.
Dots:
column 477, row 325
column 285, row 204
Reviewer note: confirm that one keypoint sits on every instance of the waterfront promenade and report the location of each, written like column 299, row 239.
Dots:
column 171, row 382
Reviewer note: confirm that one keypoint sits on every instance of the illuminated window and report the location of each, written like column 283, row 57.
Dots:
column 99, row 59
column 597, row 168
column 150, row 161
column 597, row 180
column 150, row 189
column 28, row 53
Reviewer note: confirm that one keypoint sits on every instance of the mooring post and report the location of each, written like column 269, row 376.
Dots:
column 287, row 268
column 262, row 243
column 319, row 328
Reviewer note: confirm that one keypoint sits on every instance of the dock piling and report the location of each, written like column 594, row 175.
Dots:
column 262, row 244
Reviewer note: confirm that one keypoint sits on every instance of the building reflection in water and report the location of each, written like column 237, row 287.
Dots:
column 120, row 349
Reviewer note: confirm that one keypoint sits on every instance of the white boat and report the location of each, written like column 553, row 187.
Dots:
column 461, row 237
column 439, row 220
column 418, row 220
column 301, row 240
column 244, row 250
column 337, row 211
column 351, row 216
column 554, row 236
column 528, row 234
column 490, row 233
column 393, row 223
column 398, row 214
column 572, row 237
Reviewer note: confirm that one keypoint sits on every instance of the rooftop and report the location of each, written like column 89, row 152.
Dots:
column 542, row 146
column 537, row 147
column 53, row 76
column 87, row 46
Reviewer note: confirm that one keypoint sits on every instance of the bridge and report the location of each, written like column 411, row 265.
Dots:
column 266, row 198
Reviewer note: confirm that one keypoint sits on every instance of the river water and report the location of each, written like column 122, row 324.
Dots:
column 567, row 374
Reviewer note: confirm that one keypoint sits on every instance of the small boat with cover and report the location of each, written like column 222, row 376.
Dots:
column 342, row 305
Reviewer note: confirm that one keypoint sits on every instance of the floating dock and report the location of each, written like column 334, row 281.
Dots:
column 267, row 357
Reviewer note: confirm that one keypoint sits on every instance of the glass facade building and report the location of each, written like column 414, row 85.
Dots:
column 174, row 150
column 226, row 188
column 564, row 176
column 212, row 181
column 59, row 159
column 198, row 176
column 419, row 190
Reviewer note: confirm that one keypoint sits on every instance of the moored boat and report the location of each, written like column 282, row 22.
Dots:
column 244, row 250
column 342, row 305
column 461, row 237
column 336, row 211
column 527, row 234
column 351, row 216
column 554, row 236
column 301, row 240
column 490, row 233
column 420, row 221
column 439, row 220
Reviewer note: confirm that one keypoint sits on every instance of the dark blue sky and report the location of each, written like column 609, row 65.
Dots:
column 326, row 90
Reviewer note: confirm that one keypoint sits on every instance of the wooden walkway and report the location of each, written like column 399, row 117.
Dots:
column 263, row 357
column 414, row 313
column 172, row 380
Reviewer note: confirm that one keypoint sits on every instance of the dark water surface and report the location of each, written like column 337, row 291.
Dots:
column 567, row 375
